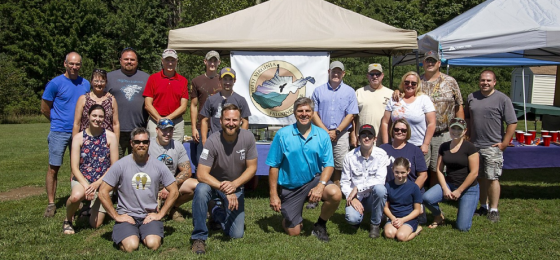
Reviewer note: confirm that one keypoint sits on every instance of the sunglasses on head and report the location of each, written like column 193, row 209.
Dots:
column 137, row 142
column 402, row 130
column 375, row 74
column 459, row 120
column 411, row 83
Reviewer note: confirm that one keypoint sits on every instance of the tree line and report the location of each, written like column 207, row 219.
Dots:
column 36, row 35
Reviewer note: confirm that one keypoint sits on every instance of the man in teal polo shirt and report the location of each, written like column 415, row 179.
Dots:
column 301, row 165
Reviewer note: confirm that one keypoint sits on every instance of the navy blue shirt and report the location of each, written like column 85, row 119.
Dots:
column 401, row 198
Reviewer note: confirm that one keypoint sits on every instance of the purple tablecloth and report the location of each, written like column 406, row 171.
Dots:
column 262, row 149
column 527, row 157
column 517, row 157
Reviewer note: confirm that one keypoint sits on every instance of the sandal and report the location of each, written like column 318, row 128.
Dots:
column 436, row 224
column 67, row 226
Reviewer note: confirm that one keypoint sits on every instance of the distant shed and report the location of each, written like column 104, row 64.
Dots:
column 539, row 85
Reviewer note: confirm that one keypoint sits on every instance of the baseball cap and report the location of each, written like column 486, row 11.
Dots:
column 211, row 54
column 458, row 122
column 336, row 64
column 431, row 54
column 367, row 128
column 165, row 123
column 169, row 53
column 375, row 66
column 227, row 71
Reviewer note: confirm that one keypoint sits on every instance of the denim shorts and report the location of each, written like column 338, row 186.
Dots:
column 491, row 162
column 58, row 141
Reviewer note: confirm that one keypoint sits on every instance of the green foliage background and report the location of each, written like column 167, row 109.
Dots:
column 35, row 35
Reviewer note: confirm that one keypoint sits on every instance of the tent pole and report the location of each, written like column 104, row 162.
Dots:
column 447, row 68
column 391, row 70
column 417, row 63
column 524, row 101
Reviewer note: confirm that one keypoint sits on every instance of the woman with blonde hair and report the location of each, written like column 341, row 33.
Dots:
column 416, row 108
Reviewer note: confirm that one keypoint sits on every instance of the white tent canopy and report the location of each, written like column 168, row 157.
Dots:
column 295, row 25
column 531, row 27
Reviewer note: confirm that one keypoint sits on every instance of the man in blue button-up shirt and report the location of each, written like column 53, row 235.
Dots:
column 336, row 105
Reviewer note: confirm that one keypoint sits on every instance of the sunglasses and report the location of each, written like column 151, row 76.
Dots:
column 369, row 135
column 430, row 60
column 137, row 142
column 375, row 74
column 402, row 130
column 457, row 120
column 411, row 83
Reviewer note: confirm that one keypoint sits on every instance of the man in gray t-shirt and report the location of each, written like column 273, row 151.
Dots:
column 212, row 109
column 173, row 154
column 486, row 111
column 138, row 177
column 127, row 85
column 227, row 162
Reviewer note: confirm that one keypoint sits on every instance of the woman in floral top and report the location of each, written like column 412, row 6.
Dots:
column 94, row 150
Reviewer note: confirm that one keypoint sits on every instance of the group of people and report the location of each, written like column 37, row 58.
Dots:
column 404, row 141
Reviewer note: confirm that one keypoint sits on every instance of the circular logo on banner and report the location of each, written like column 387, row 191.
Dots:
column 274, row 87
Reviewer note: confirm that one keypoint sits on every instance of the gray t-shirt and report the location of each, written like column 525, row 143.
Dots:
column 487, row 114
column 138, row 185
column 228, row 160
column 128, row 90
column 213, row 109
column 171, row 155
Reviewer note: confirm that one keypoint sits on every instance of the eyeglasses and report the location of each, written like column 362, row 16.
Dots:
column 137, row 142
column 430, row 60
column 411, row 83
column 369, row 135
column 99, row 81
column 402, row 130
column 375, row 74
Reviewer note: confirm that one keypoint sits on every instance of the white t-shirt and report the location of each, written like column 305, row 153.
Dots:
column 415, row 114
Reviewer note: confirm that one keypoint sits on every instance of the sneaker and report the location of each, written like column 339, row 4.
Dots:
column 321, row 233
column 50, row 210
column 176, row 215
column 374, row 231
column 480, row 212
column 311, row 205
column 199, row 247
column 494, row 216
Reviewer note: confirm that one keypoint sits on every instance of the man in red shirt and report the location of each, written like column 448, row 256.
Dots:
column 166, row 96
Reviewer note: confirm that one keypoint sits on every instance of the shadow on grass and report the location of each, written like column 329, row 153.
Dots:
column 529, row 192
column 542, row 175
column 274, row 224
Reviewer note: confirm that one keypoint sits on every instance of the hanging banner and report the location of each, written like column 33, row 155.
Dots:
column 272, row 81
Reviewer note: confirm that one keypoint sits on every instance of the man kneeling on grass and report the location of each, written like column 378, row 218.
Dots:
column 301, row 163
column 138, row 177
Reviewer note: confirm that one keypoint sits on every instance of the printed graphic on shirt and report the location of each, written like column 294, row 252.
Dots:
column 204, row 154
column 168, row 160
column 130, row 90
column 275, row 86
column 141, row 181
column 242, row 152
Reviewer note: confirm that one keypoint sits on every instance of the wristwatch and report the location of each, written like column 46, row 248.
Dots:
column 323, row 182
column 337, row 132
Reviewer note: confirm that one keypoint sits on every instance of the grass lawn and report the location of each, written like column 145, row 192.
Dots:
column 529, row 208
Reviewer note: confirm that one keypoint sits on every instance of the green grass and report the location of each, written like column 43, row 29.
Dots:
column 530, row 213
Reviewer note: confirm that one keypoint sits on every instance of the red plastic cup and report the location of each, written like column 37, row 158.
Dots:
column 544, row 132
column 533, row 133
column 546, row 140
column 554, row 136
column 528, row 138
column 519, row 136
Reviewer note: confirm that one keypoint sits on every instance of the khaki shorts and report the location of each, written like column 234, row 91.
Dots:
column 433, row 151
column 491, row 163
column 340, row 148
column 95, row 204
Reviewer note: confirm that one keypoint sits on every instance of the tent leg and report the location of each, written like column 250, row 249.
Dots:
column 524, row 100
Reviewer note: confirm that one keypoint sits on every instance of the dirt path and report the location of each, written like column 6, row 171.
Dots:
column 21, row 192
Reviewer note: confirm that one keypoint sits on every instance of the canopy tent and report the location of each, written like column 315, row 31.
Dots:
column 496, row 33
column 295, row 25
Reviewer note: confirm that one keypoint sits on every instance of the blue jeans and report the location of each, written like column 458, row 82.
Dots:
column 374, row 203
column 233, row 222
column 467, row 204
column 58, row 141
